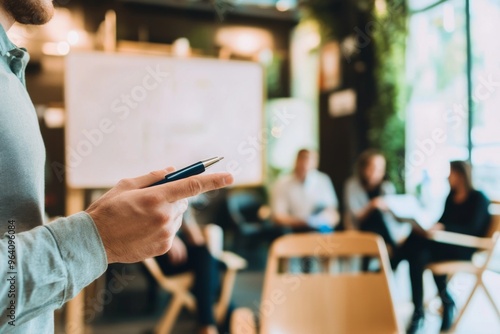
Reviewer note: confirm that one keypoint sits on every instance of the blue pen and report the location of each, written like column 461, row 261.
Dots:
column 194, row 169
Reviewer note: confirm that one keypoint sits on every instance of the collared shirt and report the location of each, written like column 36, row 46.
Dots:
column 41, row 267
column 303, row 199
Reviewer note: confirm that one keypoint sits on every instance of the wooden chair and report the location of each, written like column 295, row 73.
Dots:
column 179, row 285
column 482, row 261
column 324, row 301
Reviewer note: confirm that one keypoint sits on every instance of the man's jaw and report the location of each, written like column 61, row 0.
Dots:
column 6, row 20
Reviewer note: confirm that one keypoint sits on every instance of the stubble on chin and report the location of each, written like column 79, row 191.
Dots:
column 34, row 12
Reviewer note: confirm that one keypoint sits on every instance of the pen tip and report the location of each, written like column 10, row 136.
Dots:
column 209, row 162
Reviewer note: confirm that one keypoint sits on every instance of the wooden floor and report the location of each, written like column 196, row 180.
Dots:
column 479, row 319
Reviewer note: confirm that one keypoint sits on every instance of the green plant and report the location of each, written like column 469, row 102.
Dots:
column 387, row 116
column 384, row 23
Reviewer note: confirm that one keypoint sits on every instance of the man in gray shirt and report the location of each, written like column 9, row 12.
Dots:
column 42, row 267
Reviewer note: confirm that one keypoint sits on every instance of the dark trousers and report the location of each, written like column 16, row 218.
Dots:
column 419, row 252
column 207, row 279
column 375, row 223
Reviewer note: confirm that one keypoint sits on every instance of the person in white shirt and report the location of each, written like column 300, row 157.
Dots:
column 305, row 200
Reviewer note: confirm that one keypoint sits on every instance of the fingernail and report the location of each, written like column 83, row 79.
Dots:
column 228, row 179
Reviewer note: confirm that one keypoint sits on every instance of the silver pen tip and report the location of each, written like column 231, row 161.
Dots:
column 209, row 162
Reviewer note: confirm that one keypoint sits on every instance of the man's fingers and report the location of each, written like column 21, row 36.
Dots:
column 195, row 185
column 145, row 180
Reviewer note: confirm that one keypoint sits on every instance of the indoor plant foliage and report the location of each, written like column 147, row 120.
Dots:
column 387, row 116
column 383, row 23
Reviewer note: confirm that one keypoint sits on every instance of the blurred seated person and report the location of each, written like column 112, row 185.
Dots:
column 305, row 200
column 367, row 211
column 465, row 212
column 365, row 206
column 189, row 253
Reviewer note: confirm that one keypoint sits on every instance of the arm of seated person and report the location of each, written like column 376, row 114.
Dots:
column 375, row 204
column 178, row 252
column 192, row 229
column 328, row 217
column 286, row 220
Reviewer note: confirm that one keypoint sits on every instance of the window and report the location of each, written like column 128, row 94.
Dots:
column 438, row 127
column 485, row 129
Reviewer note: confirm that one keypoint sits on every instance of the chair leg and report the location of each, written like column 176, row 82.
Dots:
column 462, row 311
column 490, row 297
column 168, row 320
column 225, row 296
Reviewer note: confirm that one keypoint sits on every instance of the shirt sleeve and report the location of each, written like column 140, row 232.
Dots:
column 52, row 264
column 329, row 193
column 279, row 204
column 388, row 188
column 355, row 198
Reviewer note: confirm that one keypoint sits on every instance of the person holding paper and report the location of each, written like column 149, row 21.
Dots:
column 367, row 210
column 465, row 212
column 49, row 265
column 305, row 200
column 364, row 199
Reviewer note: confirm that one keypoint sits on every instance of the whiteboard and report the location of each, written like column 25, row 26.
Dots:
column 130, row 114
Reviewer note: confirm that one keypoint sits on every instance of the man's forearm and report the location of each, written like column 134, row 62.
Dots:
column 289, row 221
column 52, row 263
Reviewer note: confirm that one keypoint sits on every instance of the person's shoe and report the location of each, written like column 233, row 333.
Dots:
column 417, row 322
column 448, row 313
column 448, row 316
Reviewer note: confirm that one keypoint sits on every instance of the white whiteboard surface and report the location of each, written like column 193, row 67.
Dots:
column 131, row 114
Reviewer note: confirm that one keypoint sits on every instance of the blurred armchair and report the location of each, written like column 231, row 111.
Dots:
column 250, row 216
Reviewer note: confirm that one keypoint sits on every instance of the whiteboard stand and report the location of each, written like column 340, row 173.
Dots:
column 75, row 324
column 75, row 199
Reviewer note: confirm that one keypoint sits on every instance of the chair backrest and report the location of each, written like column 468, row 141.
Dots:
column 494, row 225
column 323, row 302
column 492, row 256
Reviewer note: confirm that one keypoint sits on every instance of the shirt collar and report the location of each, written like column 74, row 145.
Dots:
column 309, row 176
column 5, row 44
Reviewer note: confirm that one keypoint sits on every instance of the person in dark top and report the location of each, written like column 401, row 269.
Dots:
column 465, row 212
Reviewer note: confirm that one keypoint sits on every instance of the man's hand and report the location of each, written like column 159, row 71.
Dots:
column 177, row 255
column 136, row 221
column 329, row 217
